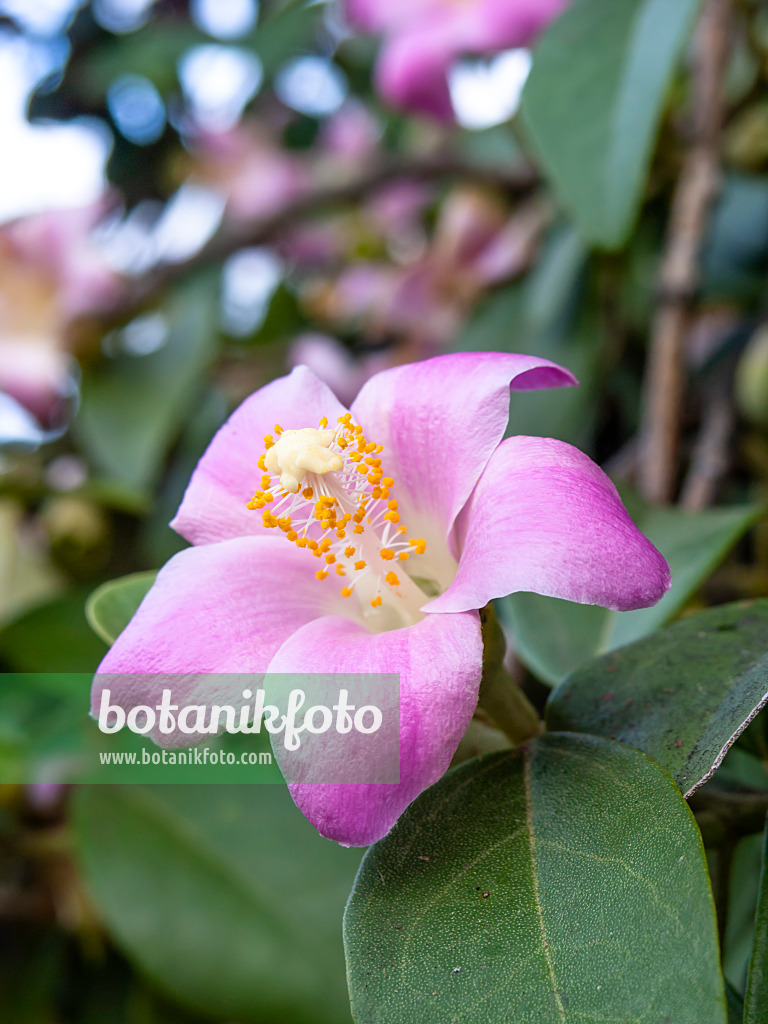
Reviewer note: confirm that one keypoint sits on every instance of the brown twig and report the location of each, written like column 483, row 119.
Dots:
column 709, row 460
column 680, row 271
column 514, row 181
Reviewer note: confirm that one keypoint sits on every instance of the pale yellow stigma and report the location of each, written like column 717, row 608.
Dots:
column 298, row 452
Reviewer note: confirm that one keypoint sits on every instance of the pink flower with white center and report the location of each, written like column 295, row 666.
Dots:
column 372, row 540
column 424, row 37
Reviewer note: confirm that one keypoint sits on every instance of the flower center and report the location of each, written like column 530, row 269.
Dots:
column 326, row 490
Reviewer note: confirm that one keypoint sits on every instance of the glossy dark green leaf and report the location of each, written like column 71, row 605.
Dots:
column 564, row 882
column 594, row 101
column 111, row 606
column 133, row 406
column 555, row 637
column 756, row 998
column 224, row 895
column 683, row 695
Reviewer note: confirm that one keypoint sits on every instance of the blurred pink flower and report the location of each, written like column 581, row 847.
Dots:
column 256, row 176
column 351, row 134
column 476, row 244
column 335, row 365
column 51, row 272
column 422, row 38
column 485, row 517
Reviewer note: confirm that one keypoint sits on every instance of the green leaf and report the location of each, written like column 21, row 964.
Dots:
column 224, row 895
column 735, row 1005
column 53, row 637
column 683, row 696
column 756, row 999
column 555, row 637
column 563, row 882
column 111, row 606
column 133, row 406
column 594, row 101
column 742, row 879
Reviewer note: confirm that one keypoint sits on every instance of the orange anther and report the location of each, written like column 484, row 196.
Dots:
column 375, row 602
column 403, row 556
column 387, row 554
column 360, row 565
column 321, row 574
column 392, row 580
column 346, row 592
column 348, row 552
column 308, row 493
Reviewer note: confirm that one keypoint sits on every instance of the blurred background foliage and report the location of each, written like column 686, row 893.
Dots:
column 256, row 206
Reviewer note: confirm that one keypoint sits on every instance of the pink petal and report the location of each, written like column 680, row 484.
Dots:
column 545, row 518
column 388, row 15
column 425, row 38
column 213, row 507
column 439, row 421
column 219, row 608
column 440, row 662
column 412, row 72
column 501, row 24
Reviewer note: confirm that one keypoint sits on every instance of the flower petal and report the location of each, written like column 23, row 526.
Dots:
column 219, row 608
column 439, row 421
column 213, row 507
column 412, row 72
column 545, row 518
column 440, row 662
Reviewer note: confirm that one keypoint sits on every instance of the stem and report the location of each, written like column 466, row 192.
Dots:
column 508, row 706
column 709, row 461
column 500, row 695
column 680, row 271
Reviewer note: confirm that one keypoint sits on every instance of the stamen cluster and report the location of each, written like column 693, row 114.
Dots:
column 345, row 516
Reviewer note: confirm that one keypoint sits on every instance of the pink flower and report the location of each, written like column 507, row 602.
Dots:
column 335, row 365
column 51, row 272
column 424, row 37
column 256, row 176
column 483, row 517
